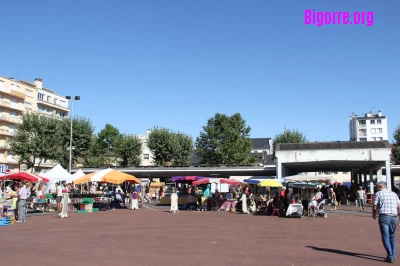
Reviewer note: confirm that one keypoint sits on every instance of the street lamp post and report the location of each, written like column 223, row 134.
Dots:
column 76, row 98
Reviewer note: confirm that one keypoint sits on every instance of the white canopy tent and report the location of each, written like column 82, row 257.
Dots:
column 308, row 178
column 58, row 173
column 78, row 174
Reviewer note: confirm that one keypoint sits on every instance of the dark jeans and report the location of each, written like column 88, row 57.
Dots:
column 387, row 225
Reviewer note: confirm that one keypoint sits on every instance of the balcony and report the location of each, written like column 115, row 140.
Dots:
column 8, row 160
column 11, row 119
column 49, row 114
column 17, row 94
column 57, row 106
column 5, row 132
column 11, row 105
column 4, row 147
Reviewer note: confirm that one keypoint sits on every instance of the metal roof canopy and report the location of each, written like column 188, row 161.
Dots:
column 338, row 145
column 346, row 156
column 193, row 171
column 333, row 166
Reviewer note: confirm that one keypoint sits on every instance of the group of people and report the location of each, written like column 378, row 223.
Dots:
column 19, row 192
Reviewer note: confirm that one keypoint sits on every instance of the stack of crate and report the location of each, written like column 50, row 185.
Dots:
column 7, row 221
column 7, row 205
column 87, row 204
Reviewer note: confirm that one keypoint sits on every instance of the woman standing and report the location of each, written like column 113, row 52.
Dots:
column 333, row 200
column 39, row 193
column 14, row 206
column 174, row 202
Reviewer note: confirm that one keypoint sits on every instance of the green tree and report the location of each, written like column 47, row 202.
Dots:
column 396, row 146
column 170, row 148
column 129, row 150
column 95, row 156
column 225, row 140
column 81, row 139
column 290, row 136
column 36, row 138
column 185, row 148
column 107, row 142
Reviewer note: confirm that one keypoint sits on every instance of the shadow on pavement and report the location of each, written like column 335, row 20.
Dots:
column 352, row 254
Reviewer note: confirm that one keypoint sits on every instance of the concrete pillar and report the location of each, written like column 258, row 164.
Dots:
column 388, row 175
column 365, row 180
column 356, row 182
column 379, row 174
column 371, row 181
column 278, row 170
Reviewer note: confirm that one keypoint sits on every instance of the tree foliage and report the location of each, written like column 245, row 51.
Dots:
column 108, row 140
column 95, row 157
column 82, row 131
column 170, row 148
column 225, row 140
column 37, row 137
column 48, row 138
column 129, row 150
column 396, row 146
column 290, row 136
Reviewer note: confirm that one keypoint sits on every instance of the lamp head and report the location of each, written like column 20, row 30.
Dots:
column 77, row 98
column 68, row 97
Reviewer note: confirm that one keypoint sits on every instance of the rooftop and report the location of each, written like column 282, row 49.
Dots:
column 261, row 143
column 334, row 145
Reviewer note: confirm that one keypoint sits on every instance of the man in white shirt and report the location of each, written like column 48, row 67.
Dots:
column 22, row 196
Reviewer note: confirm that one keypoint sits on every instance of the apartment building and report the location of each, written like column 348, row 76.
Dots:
column 369, row 127
column 147, row 155
column 16, row 98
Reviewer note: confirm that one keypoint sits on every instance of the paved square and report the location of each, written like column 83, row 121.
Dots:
column 156, row 237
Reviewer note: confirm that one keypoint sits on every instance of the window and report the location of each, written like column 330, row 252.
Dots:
column 144, row 145
column 145, row 156
column 373, row 139
column 55, row 101
column 362, row 122
column 28, row 105
column 48, row 99
column 13, row 113
column 12, row 128
column 372, row 122
column 29, row 92
column 379, row 130
column 379, row 121
column 40, row 96
column 373, row 130
column 380, row 138
column 362, row 132
column 363, row 139
column 345, row 173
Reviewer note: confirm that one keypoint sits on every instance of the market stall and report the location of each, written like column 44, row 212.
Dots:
column 105, row 176
column 57, row 174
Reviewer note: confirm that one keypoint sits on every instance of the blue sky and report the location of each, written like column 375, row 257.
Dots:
column 175, row 63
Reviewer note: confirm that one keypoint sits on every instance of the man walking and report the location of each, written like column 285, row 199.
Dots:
column 387, row 206
column 360, row 198
column 22, row 196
